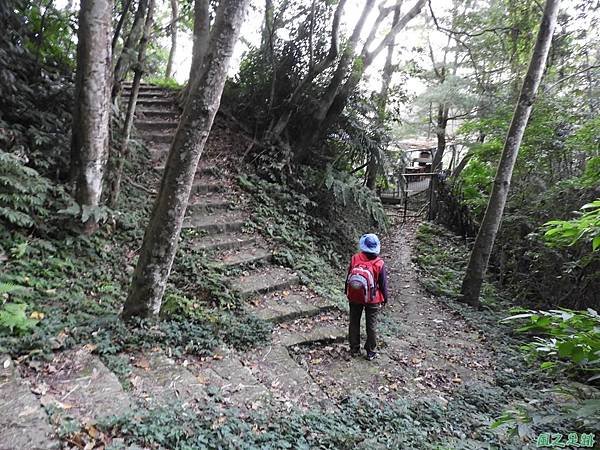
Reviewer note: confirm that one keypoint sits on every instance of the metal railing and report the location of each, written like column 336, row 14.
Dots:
column 412, row 191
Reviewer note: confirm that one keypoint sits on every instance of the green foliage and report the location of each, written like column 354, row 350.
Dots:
column 200, row 277
column 584, row 228
column 22, row 192
column 359, row 423
column 52, row 29
column 348, row 191
column 238, row 329
column 14, row 319
column 442, row 258
column 476, row 183
column 167, row 83
column 571, row 339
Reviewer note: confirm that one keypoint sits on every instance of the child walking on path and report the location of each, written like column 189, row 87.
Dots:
column 366, row 288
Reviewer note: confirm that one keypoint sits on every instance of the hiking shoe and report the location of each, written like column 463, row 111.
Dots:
column 355, row 353
column 372, row 355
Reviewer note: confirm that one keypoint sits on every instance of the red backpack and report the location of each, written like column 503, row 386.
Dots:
column 361, row 284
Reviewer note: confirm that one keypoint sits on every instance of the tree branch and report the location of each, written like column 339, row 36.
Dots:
column 579, row 72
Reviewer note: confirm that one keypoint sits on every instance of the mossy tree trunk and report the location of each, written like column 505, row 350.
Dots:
column 471, row 286
column 160, row 240
column 91, row 112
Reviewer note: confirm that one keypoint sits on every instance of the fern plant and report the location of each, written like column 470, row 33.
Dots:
column 560, row 233
column 347, row 188
column 22, row 192
column 13, row 318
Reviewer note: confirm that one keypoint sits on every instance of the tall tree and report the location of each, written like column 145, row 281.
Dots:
column 117, row 172
column 349, row 73
column 471, row 286
column 120, row 23
column 128, row 54
column 373, row 163
column 160, row 240
column 201, row 36
column 91, row 113
column 173, row 29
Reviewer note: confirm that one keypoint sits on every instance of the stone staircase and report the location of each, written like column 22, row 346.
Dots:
column 270, row 292
column 85, row 389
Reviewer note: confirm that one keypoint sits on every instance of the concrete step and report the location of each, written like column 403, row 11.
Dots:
column 158, row 380
column 225, row 242
column 208, row 205
column 156, row 114
column 290, row 384
column 151, row 94
column 156, row 125
column 221, row 223
column 161, row 138
column 236, row 382
column 202, row 170
column 23, row 421
column 91, row 391
column 329, row 326
column 282, row 306
column 247, row 256
column 147, row 87
column 157, row 102
column 202, row 187
column 263, row 281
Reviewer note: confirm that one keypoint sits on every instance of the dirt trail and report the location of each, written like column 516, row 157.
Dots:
column 425, row 349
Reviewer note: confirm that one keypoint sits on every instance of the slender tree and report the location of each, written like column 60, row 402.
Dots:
column 471, row 286
column 120, row 23
column 349, row 73
column 373, row 162
column 123, row 153
column 173, row 27
column 160, row 240
column 91, row 113
column 201, row 36
column 128, row 55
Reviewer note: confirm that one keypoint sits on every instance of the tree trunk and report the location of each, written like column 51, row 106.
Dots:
column 267, row 30
column 127, row 58
column 471, row 286
column 332, row 106
column 201, row 38
column 115, row 181
column 174, row 14
column 388, row 68
column 386, row 79
column 314, row 70
column 91, row 113
column 160, row 240
column 436, row 165
column 124, row 14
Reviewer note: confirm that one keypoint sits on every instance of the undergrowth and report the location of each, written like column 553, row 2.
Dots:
column 314, row 232
column 69, row 290
column 538, row 401
column 360, row 423
column 442, row 257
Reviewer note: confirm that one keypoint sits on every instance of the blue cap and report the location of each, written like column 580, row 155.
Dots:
column 369, row 243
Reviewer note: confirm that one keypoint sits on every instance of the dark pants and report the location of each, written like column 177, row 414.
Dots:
column 354, row 328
